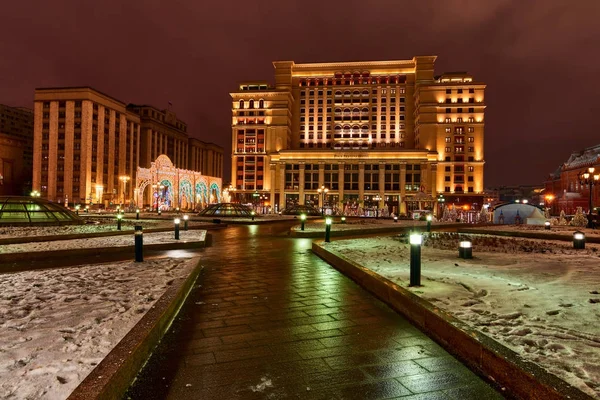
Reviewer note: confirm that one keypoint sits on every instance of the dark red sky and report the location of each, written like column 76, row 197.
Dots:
column 539, row 59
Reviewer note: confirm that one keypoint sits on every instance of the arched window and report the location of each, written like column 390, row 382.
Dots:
column 356, row 93
column 346, row 93
column 261, row 103
column 355, row 110
column 251, row 104
column 241, row 103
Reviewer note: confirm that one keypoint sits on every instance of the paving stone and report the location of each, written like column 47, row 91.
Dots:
column 269, row 319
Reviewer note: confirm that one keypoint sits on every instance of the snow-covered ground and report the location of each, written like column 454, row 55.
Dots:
column 360, row 224
column 540, row 298
column 99, row 225
column 56, row 325
column 106, row 241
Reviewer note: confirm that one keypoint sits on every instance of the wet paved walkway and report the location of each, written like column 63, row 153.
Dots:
column 273, row 321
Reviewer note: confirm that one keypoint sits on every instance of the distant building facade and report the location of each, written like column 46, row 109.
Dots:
column 88, row 145
column 16, row 150
column 382, row 134
column 563, row 191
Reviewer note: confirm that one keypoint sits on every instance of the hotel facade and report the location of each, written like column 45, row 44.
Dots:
column 386, row 135
column 88, row 147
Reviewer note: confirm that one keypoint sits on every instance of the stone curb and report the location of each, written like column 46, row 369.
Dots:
column 490, row 359
column 530, row 235
column 93, row 252
column 112, row 377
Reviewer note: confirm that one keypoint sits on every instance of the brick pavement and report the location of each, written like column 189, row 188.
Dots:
column 270, row 320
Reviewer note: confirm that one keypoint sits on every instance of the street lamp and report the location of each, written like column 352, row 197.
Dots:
column 35, row 193
column 377, row 199
column 323, row 191
column 589, row 178
column 124, row 179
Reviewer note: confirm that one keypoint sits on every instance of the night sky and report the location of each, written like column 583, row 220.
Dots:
column 539, row 59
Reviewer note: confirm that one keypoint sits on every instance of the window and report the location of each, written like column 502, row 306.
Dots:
column 470, row 189
column 448, row 101
column 459, row 110
column 446, row 188
column 448, row 129
column 471, row 100
column 448, row 110
column 459, row 120
column 471, row 90
column 471, row 110
column 448, row 91
column 447, row 149
column 459, row 91
column 470, row 169
column 447, row 168
column 402, row 99
column 471, row 119
column 471, row 149
column 471, row 129
column 448, row 140
column 448, row 120
column 471, row 139
column 446, row 179
column 470, row 179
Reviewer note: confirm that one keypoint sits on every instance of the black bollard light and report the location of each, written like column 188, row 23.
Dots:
column 343, row 220
column 415, row 240
column 253, row 214
column 185, row 222
column 429, row 218
column 395, row 219
column 578, row 240
column 465, row 249
column 159, row 212
column 119, row 217
column 177, row 221
column 547, row 225
column 87, row 209
column 302, row 219
column 77, row 209
column 137, row 214
column 139, row 243
column 328, row 229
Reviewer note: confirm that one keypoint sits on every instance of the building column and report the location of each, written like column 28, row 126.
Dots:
column 341, row 182
column 281, row 167
column 272, row 168
column 381, row 184
column 433, row 179
column 361, row 183
column 301, row 181
column 53, row 152
column 401, row 202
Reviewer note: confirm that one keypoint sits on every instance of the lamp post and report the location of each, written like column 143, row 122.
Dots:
column 35, row 193
column 177, row 221
column 139, row 243
column 137, row 214
column 124, row 179
column 303, row 219
column 415, row 240
column 589, row 178
column 327, row 230
column 119, row 217
column 377, row 199
column 77, row 209
column 441, row 200
column 323, row 191
column 185, row 222
column 578, row 240
column 465, row 249
column 429, row 218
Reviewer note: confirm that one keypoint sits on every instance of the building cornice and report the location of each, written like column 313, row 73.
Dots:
column 396, row 156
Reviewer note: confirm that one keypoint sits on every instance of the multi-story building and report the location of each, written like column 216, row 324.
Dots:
column 381, row 134
column 16, row 154
column 564, row 190
column 205, row 157
column 83, row 141
column 88, row 146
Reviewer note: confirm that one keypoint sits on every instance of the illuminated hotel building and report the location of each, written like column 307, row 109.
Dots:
column 375, row 134
column 85, row 142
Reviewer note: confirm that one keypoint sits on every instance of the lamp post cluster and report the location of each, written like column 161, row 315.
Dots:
column 587, row 177
column 124, row 179
column 322, row 191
